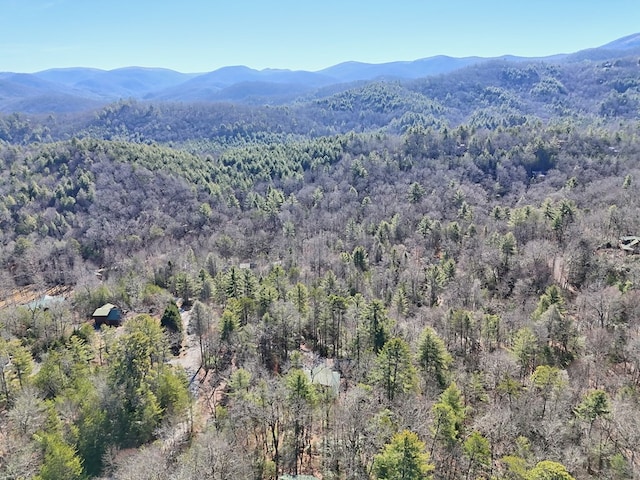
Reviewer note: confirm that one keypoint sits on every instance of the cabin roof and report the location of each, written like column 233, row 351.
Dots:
column 323, row 375
column 45, row 302
column 104, row 310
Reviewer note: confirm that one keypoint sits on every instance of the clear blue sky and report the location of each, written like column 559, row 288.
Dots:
column 203, row 35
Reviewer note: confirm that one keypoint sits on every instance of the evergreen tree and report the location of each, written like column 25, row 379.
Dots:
column 171, row 319
column 21, row 362
column 394, row 370
column 229, row 323
column 301, row 401
column 403, row 458
column 548, row 470
column 136, row 368
column 478, row 451
column 360, row 258
column 551, row 296
column 60, row 459
column 525, row 349
column 547, row 381
column 433, row 357
column 377, row 324
column 595, row 404
column 449, row 414
column 416, row 192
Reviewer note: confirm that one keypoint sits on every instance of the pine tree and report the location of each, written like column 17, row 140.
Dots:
column 377, row 324
column 60, row 459
column 171, row 319
column 301, row 401
column 394, row 369
column 404, row 458
column 525, row 348
column 449, row 414
column 478, row 451
column 548, row 470
column 433, row 357
column 547, row 381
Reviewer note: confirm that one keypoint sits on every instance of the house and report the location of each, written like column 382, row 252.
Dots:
column 45, row 302
column 107, row 314
column 323, row 375
column 630, row 243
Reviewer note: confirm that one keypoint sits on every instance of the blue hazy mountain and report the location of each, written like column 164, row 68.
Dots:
column 629, row 42
column 76, row 89
column 113, row 84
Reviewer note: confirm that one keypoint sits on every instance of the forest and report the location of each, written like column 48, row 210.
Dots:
column 427, row 279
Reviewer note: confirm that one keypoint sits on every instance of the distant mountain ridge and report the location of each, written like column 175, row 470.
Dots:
column 77, row 89
column 624, row 43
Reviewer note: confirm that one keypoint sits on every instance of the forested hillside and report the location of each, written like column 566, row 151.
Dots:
column 388, row 280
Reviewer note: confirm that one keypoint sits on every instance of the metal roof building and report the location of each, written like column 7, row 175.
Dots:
column 108, row 314
column 323, row 375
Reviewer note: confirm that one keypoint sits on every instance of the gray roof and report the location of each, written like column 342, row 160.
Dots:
column 104, row 310
column 629, row 243
column 323, row 375
column 46, row 301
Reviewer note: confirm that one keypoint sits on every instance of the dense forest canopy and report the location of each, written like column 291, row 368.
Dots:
column 394, row 279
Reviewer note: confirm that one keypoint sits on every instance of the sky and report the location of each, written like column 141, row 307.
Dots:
column 193, row 36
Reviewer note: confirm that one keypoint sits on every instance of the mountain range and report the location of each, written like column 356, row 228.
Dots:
column 77, row 89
